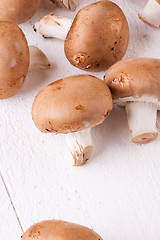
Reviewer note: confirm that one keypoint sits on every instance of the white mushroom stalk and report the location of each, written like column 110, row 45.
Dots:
column 38, row 58
column 151, row 13
column 80, row 145
column 142, row 118
column 53, row 26
column 70, row 4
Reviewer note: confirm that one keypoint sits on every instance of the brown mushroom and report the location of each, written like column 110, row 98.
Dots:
column 14, row 60
column 151, row 13
column 59, row 230
column 17, row 11
column 70, row 4
column 135, row 84
column 38, row 58
column 73, row 106
column 97, row 38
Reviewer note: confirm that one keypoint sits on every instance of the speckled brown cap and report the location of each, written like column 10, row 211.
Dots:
column 14, row 59
column 72, row 104
column 98, row 37
column 17, row 11
column 59, row 230
column 134, row 77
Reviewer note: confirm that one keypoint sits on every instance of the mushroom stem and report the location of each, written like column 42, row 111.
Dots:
column 142, row 121
column 80, row 145
column 53, row 26
column 151, row 13
column 38, row 58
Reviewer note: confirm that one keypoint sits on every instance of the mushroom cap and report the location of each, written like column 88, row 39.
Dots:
column 134, row 77
column 17, row 11
column 14, row 60
column 98, row 37
column 59, row 230
column 72, row 104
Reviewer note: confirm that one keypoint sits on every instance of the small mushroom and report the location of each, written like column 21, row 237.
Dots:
column 14, row 60
column 135, row 84
column 97, row 38
column 59, row 230
column 17, row 11
column 72, row 106
column 70, row 4
column 38, row 58
column 151, row 13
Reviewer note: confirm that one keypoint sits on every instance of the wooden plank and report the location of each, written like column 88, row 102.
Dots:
column 9, row 224
column 117, row 192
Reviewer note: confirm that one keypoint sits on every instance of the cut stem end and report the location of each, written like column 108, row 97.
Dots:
column 82, row 156
column 145, row 138
column 80, row 145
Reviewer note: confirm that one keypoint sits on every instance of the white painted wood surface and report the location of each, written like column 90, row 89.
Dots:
column 9, row 224
column 117, row 193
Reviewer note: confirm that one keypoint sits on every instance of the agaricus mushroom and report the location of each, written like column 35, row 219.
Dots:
column 38, row 58
column 151, row 13
column 17, row 11
column 59, row 230
column 72, row 106
column 14, row 59
column 135, row 84
column 97, row 38
column 70, row 4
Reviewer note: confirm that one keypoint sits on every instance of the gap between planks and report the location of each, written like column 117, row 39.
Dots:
column 12, row 204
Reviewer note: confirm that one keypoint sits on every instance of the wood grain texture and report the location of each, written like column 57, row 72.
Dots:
column 117, row 193
column 9, row 226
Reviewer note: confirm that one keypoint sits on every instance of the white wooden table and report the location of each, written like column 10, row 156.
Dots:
column 117, row 193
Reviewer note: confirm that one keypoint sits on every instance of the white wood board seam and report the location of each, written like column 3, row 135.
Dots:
column 11, row 201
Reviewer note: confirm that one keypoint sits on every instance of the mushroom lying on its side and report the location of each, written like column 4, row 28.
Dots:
column 97, row 38
column 38, row 58
column 70, row 4
column 72, row 106
column 17, row 11
column 151, row 13
column 14, row 59
column 135, row 84
column 59, row 230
